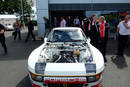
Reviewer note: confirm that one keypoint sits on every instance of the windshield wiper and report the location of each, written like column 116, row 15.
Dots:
column 77, row 40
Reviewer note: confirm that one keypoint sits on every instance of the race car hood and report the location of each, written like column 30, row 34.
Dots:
column 65, row 69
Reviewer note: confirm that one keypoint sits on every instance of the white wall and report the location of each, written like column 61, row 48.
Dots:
column 42, row 10
column 87, row 1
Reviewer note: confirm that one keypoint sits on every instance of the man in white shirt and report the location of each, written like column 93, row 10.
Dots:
column 123, row 32
column 62, row 22
column 127, row 25
column 76, row 22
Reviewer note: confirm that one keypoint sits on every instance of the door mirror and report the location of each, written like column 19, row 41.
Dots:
column 88, row 40
column 45, row 39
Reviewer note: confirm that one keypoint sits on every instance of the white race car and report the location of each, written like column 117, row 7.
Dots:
column 66, row 59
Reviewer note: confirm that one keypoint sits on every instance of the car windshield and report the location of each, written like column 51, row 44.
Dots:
column 66, row 35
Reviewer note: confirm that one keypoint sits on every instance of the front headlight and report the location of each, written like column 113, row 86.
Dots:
column 40, row 68
column 93, row 78
column 36, row 77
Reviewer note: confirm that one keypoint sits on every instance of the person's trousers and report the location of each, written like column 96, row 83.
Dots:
column 94, row 40
column 122, row 42
column 2, row 41
column 17, row 33
column 102, row 47
column 28, row 35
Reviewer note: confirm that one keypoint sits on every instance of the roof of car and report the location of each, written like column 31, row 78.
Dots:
column 8, row 16
column 67, row 28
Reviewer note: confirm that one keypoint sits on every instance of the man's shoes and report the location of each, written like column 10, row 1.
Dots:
column 119, row 54
column 26, row 41
column 105, row 60
column 6, row 53
column 34, row 39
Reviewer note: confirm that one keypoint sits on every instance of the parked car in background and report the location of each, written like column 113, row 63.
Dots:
column 7, row 21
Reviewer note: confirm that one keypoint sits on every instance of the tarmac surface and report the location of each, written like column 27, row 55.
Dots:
column 14, row 73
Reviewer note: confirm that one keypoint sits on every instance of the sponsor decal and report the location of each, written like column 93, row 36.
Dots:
column 65, row 80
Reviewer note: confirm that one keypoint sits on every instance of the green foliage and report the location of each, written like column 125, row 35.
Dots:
column 109, row 17
column 14, row 6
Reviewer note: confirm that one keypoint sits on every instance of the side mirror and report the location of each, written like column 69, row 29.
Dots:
column 45, row 39
column 88, row 40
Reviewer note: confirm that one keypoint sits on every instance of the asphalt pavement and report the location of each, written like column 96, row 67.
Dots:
column 14, row 73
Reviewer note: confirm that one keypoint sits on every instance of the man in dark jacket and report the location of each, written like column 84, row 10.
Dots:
column 2, row 39
column 86, row 25
column 69, row 21
column 94, row 31
column 30, row 30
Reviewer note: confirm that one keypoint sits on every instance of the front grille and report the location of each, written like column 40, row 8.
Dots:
column 65, row 85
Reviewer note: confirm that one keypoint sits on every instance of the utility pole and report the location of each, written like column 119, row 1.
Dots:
column 22, row 19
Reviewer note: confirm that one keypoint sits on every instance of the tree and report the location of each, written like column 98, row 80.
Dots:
column 14, row 6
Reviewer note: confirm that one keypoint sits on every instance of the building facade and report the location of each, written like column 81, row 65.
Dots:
column 52, row 8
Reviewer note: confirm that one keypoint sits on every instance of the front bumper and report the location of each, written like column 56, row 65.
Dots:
column 92, row 84
column 66, row 75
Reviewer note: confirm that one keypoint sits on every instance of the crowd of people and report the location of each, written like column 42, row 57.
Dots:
column 94, row 28
column 97, row 30
column 17, row 32
column 17, row 29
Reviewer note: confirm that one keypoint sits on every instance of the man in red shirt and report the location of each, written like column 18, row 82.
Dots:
column 102, row 44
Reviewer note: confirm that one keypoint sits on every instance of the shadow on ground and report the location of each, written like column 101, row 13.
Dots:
column 119, row 61
column 24, row 83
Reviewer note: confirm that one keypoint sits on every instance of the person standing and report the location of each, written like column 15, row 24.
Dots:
column 30, row 30
column 2, row 39
column 55, row 22
column 69, row 22
column 62, row 22
column 102, row 42
column 76, row 22
column 86, row 25
column 94, row 31
column 107, row 27
column 123, row 32
column 47, row 26
column 17, row 29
